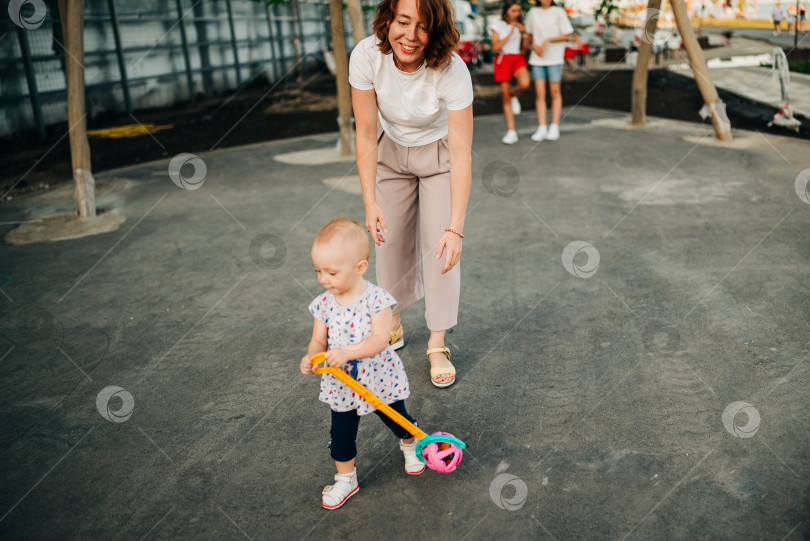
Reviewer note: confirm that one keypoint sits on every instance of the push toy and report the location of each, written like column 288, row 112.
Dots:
column 440, row 451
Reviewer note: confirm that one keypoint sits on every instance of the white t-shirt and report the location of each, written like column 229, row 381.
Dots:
column 412, row 106
column 547, row 23
column 502, row 28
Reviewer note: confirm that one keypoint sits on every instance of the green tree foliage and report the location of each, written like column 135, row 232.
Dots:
column 606, row 9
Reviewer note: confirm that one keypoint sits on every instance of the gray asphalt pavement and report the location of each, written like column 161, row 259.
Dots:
column 784, row 39
column 632, row 350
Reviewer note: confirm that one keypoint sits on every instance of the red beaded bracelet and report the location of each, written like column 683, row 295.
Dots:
column 456, row 232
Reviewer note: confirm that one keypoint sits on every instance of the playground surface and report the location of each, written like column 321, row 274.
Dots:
column 749, row 47
column 632, row 348
column 263, row 112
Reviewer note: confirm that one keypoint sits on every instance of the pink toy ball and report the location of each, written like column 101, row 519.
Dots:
column 443, row 455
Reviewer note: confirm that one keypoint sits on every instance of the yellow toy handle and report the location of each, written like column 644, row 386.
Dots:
column 318, row 358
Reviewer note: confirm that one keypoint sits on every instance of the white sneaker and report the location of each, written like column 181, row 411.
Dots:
column 553, row 133
column 413, row 466
column 510, row 138
column 540, row 133
column 515, row 106
column 345, row 487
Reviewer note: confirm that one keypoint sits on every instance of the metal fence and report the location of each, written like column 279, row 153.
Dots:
column 152, row 53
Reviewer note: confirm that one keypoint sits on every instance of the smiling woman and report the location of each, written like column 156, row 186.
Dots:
column 412, row 98
column 433, row 22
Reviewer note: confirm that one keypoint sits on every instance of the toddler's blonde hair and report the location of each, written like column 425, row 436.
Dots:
column 347, row 231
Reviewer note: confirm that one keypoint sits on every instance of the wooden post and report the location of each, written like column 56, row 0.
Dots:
column 33, row 93
column 271, row 42
column 71, row 14
column 341, row 77
column 722, row 127
column 186, row 57
column 119, row 55
column 639, row 99
column 234, row 47
column 356, row 19
column 796, row 24
column 294, row 26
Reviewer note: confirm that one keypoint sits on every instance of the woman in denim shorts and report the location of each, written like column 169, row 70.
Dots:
column 548, row 28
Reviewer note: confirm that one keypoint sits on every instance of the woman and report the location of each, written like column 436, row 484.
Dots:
column 792, row 16
column 776, row 15
column 548, row 29
column 412, row 98
column 507, row 36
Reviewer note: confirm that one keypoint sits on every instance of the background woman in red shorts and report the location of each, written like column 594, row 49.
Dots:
column 507, row 35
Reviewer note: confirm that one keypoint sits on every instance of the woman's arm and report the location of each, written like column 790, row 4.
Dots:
column 540, row 49
column 561, row 37
column 460, row 132
column 364, row 103
column 528, row 28
column 498, row 43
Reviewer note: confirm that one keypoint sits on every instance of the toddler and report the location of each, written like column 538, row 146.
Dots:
column 352, row 325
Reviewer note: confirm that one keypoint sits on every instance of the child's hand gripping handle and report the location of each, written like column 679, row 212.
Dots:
column 318, row 358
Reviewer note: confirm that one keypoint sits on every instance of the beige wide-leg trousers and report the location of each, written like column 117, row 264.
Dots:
column 413, row 190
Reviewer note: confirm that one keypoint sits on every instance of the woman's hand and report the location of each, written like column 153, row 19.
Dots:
column 306, row 365
column 375, row 216
column 450, row 243
column 540, row 49
column 520, row 27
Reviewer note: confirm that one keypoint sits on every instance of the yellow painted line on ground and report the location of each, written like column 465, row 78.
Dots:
column 133, row 130
column 733, row 23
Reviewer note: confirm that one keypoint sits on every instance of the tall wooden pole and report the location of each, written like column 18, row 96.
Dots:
column 356, row 19
column 296, row 41
column 722, row 127
column 796, row 23
column 341, row 77
column 71, row 14
column 639, row 99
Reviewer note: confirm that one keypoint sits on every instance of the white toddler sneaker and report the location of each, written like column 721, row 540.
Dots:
column 540, row 133
column 553, row 132
column 413, row 466
column 345, row 487
column 515, row 106
column 510, row 138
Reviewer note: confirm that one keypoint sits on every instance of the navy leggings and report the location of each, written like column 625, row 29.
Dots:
column 346, row 423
